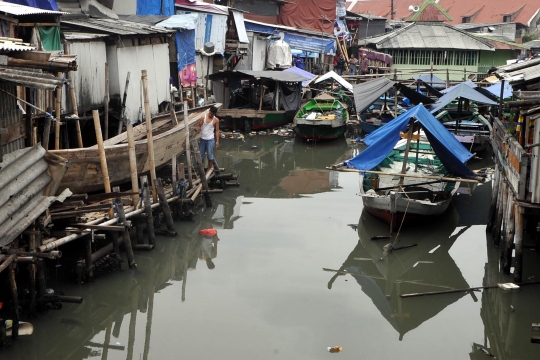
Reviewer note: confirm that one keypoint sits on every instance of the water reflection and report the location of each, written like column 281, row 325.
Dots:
column 425, row 267
column 275, row 167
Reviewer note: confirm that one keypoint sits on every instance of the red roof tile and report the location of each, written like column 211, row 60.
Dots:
column 493, row 13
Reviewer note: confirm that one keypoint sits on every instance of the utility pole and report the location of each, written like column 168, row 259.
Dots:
column 392, row 9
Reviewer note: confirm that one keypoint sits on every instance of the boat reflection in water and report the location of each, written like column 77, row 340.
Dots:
column 425, row 267
column 277, row 167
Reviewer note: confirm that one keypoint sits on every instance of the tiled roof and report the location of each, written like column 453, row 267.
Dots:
column 487, row 12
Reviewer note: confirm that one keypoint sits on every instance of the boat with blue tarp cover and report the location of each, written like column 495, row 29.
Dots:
column 411, row 169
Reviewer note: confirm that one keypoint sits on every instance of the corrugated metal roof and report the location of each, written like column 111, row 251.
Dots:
column 82, row 36
column 28, row 180
column 428, row 36
column 30, row 78
column 9, row 45
column 116, row 27
column 520, row 72
column 16, row 9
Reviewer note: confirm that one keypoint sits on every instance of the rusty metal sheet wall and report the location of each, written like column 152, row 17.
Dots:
column 10, row 116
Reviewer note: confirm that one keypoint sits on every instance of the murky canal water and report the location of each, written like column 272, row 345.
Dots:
column 278, row 288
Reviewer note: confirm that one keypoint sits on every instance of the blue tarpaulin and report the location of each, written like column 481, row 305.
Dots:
column 434, row 81
column 296, row 41
column 155, row 7
column 185, row 53
column 463, row 91
column 381, row 142
column 302, row 73
column 40, row 4
column 495, row 89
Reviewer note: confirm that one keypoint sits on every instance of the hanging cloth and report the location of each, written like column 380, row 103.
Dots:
column 50, row 38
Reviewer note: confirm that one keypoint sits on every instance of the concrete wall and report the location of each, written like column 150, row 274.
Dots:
column 506, row 29
column 125, row 7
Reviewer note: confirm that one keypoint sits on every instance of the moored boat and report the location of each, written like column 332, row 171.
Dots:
column 85, row 174
column 321, row 118
column 408, row 180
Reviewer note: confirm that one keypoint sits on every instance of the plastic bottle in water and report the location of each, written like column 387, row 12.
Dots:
column 339, row 114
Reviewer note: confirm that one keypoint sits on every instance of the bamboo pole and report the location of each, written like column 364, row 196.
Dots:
column 106, row 101
column 406, row 155
column 58, row 110
column 132, row 163
column 101, row 149
column 124, row 99
column 441, row 178
column 202, row 174
column 172, row 110
column 148, row 212
column 75, row 109
column 188, row 146
column 149, row 138
column 165, row 207
column 127, row 239
column 173, row 172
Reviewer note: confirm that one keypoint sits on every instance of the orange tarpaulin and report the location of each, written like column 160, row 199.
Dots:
column 316, row 15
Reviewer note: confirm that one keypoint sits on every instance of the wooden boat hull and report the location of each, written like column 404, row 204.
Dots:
column 317, row 120
column 319, row 132
column 394, row 209
column 255, row 119
column 85, row 175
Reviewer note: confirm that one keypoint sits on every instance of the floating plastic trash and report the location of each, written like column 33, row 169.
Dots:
column 335, row 349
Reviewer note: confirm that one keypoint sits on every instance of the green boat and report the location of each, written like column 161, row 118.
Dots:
column 253, row 120
column 322, row 118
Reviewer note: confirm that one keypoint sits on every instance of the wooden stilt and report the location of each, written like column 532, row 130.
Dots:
column 15, row 299
column 101, row 149
column 41, row 281
column 149, row 138
column 32, row 269
column 75, row 109
column 127, row 240
column 500, row 210
column 88, row 257
column 504, row 224
column 139, row 231
column 202, row 174
column 106, row 101
column 123, row 108
column 173, row 172
column 494, row 195
column 518, row 241
column 148, row 211
column 188, row 146
column 507, row 252
column 46, row 133
column 165, row 207
column 58, row 114
column 181, row 172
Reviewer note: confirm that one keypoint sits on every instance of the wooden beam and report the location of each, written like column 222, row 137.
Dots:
column 98, row 227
